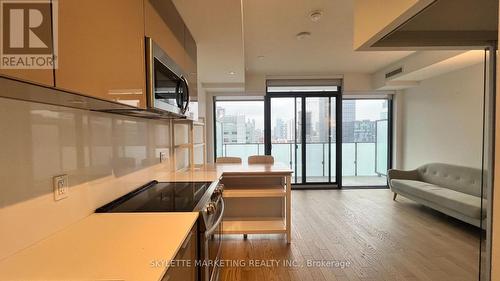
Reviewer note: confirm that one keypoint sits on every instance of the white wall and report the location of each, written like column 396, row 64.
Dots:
column 104, row 155
column 442, row 119
column 397, row 130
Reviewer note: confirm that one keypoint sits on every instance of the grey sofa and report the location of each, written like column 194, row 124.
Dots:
column 450, row 189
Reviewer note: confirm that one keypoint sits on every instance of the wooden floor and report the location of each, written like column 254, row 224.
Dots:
column 364, row 235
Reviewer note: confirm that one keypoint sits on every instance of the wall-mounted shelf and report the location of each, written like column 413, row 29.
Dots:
column 255, row 192
column 189, row 137
column 254, row 225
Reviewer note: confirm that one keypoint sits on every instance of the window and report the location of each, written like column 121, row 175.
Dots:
column 239, row 127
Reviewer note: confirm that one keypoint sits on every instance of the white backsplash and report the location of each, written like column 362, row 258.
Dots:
column 105, row 156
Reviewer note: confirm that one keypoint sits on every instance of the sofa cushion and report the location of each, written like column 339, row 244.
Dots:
column 463, row 203
column 458, row 178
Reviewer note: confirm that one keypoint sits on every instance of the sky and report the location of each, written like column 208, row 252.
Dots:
column 369, row 109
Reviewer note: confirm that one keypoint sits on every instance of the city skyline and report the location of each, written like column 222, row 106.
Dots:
column 248, row 126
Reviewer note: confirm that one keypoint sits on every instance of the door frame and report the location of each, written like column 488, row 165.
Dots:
column 338, row 135
column 390, row 123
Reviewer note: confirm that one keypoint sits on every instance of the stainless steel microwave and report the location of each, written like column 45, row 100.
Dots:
column 167, row 88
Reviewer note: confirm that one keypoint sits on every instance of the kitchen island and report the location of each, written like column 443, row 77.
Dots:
column 212, row 172
column 258, row 196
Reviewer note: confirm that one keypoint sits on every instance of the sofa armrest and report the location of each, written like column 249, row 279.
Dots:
column 401, row 175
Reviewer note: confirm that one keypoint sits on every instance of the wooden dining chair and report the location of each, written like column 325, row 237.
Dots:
column 260, row 159
column 228, row 160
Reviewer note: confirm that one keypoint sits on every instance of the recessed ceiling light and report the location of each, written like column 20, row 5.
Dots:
column 316, row 15
column 232, row 73
column 303, row 35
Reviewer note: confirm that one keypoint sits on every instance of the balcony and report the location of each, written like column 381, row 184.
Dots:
column 363, row 164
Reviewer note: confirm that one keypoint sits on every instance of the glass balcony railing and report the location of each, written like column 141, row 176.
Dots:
column 242, row 150
column 358, row 159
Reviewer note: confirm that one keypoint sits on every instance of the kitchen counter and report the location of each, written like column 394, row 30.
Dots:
column 119, row 246
column 212, row 172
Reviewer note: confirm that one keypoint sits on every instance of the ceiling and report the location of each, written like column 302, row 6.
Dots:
column 270, row 27
column 232, row 35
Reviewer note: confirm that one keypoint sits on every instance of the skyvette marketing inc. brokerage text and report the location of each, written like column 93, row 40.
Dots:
column 253, row 263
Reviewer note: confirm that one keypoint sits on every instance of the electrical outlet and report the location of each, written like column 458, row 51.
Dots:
column 61, row 187
column 163, row 156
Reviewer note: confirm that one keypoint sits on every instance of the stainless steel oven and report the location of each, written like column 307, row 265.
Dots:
column 211, row 237
column 167, row 88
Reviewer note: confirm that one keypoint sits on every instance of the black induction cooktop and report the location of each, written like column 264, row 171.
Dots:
column 159, row 197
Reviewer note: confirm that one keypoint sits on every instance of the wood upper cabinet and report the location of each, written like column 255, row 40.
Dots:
column 166, row 27
column 39, row 76
column 101, row 49
column 191, row 64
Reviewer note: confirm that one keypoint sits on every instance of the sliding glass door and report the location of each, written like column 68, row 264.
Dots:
column 300, row 128
column 317, row 140
column 286, row 144
column 302, row 133
column 365, row 142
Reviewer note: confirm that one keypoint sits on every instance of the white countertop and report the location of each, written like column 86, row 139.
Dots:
column 212, row 172
column 111, row 246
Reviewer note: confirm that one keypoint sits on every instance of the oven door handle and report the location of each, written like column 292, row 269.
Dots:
column 219, row 220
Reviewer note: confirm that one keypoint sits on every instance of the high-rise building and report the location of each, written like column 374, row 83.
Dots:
column 252, row 134
column 364, row 131
column 310, row 132
column 234, row 128
column 348, row 119
column 323, row 121
column 237, row 128
column 290, row 132
column 280, row 130
column 258, row 136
